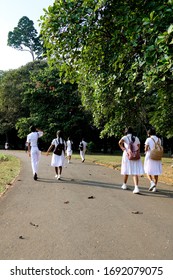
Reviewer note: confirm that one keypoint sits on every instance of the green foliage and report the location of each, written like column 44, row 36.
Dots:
column 24, row 37
column 120, row 54
column 3, row 158
column 91, row 147
column 34, row 94
column 12, row 88
column 53, row 106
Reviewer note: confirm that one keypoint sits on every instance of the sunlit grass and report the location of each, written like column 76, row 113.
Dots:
column 9, row 169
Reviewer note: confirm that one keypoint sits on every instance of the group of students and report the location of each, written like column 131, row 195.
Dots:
column 152, row 168
column 58, row 159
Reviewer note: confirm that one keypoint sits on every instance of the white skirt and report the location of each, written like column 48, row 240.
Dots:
column 131, row 167
column 69, row 152
column 58, row 160
column 152, row 167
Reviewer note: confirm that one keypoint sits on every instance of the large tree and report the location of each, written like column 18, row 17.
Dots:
column 54, row 106
column 34, row 94
column 25, row 37
column 12, row 88
column 120, row 53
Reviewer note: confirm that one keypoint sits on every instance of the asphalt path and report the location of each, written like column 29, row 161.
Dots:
column 84, row 216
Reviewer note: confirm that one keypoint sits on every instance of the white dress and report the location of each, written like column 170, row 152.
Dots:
column 130, row 167
column 32, row 138
column 152, row 167
column 57, row 160
column 69, row 147
column 82, row 153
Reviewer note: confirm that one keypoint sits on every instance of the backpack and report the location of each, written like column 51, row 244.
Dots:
column 59, row 148
column 81, row 146
column 132, row 153
column 157, row 152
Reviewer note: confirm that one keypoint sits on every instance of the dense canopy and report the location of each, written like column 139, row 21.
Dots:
column 120, row 54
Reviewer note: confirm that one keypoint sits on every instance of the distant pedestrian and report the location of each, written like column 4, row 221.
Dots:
column 26, row 146
column 69, row 150
column 6, row 146
column 58, row 156
column 130, row 167
column 82, row 148
column 153, row 168
column 33, row 150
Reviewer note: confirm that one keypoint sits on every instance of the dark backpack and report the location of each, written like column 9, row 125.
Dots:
column 59, row 148
column 132, row 153
column 81, row 146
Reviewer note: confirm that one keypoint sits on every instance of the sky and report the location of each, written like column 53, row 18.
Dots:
column 11, row 11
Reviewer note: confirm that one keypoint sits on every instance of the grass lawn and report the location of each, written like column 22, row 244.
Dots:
column 9, row 169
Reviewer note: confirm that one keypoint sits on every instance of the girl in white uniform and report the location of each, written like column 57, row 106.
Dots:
column 130, row 167
column 153, row 168
column 57, row 161
column 69, row 149
column 34, row 152
column 83, row 149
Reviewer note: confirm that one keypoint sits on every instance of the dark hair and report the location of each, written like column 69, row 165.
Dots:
column 151, row 131
column 129, row 130
column 59, row 134
column 33, row 128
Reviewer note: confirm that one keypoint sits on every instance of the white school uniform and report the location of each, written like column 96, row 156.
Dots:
column 32, row 138
column 69, row 148
column 57, row 160
column 152, row 167
column 130, row 167
column 82, row 153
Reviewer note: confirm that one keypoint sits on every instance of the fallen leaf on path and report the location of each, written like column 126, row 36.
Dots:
column 34, row 225
column 66, row 202
column 21, row 237
column 137, row 212
column 91, row 197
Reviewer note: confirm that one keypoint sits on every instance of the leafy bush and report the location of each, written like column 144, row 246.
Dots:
column 3, row 157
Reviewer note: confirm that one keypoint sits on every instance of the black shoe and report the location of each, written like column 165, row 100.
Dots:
column 35, row 177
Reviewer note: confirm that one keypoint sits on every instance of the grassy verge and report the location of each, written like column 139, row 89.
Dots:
column 9, row 169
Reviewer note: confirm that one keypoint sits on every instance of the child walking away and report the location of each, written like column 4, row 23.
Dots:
column 69, row 151
column 82, row 148
column 131, row 162
column 152, row 167
column 33, row 150
column 58, row 156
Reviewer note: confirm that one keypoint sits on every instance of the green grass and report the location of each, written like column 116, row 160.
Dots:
column 108, row 160
column 9, row 169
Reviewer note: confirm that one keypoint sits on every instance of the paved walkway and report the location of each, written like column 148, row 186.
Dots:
column 84, row 216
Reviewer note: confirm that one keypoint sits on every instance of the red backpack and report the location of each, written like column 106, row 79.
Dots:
column 132, row 153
